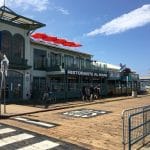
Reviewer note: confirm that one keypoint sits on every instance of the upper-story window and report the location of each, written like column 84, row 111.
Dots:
column 6, row 43
column 55, row 59
column 88, row 63
column 13, row 46
column 79, row 62
column 68, row 61
column 39, row 59
column 18, row 46
column 82, row 63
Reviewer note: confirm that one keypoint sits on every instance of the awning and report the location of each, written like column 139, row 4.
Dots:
column 10, row 17
column 54, row 39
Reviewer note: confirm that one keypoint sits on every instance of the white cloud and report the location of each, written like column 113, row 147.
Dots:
column 38, row 5
column 62, row 10
column 59, row 9
column 136, row 18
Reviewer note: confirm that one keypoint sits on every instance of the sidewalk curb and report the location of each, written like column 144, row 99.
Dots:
column 6, row 116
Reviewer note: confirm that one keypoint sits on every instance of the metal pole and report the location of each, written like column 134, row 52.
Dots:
column 4, row 94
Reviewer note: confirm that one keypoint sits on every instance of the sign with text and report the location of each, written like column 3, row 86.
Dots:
column 95, row 74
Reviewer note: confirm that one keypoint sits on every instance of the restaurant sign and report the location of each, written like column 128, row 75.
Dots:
column 95, row 74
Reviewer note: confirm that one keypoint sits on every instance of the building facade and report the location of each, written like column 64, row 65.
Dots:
column 36, row 65
column 63, row 71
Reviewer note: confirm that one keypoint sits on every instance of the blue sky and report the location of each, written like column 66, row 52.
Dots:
column 116, row 31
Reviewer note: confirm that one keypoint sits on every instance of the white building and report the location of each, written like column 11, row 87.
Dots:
column 36, row 65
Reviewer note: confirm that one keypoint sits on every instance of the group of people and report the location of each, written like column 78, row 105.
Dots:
column 89, row 93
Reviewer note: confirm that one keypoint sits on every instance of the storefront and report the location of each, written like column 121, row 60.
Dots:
column 68, row 85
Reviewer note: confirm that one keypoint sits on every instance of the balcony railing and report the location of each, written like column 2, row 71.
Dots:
column 18, row 63
column 54, row 68
column 90, row 68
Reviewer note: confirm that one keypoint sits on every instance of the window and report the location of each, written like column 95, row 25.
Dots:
column 80, row 62
column 6, row 43
column 18, row 46
column 88, row 63
column 39, row 83
column 12, row 46
column 39, row 59
column 68, row 60
column 77, row 62
column 55, row 59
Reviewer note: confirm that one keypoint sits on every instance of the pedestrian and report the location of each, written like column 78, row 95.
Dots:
column 83, row 93
column 95, row 96
column 99, row 92
column 91, row 93
column 87, row 93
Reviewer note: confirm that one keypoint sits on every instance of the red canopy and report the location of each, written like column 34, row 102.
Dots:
column 54, row 39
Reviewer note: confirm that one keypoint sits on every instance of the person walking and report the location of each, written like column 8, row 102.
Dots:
column 95, row 95
column 87, row 93
column 83, row 93
column 91, row 93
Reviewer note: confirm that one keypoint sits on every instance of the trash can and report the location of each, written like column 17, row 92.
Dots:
column 134, row 93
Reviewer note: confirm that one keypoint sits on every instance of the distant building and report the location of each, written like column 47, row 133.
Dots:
column 145, row 83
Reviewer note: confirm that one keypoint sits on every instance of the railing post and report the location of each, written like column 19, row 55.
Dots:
column 123, row 138
column 129, row 133
column 145, row 125
column 143, row 142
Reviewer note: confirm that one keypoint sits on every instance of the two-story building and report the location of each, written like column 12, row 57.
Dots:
column 36, row 65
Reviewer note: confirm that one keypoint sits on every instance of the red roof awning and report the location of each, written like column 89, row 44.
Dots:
column 56, row 40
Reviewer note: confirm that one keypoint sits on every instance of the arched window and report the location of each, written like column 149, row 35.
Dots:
column 18, row 46
column 6, row 43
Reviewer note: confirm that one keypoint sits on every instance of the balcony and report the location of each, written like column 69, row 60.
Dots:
column 114, row 75
column 18, row 63
column 90, row 68
column 54, row 68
